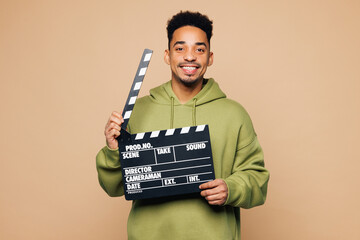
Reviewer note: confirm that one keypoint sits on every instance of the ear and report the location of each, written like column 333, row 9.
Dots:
column 211, row 58
column 167, row 57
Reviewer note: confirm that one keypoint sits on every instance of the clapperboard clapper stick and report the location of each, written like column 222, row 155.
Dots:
column 134, row 91
column 164, row 162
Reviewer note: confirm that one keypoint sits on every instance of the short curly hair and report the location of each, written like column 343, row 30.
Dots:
column 188, row 18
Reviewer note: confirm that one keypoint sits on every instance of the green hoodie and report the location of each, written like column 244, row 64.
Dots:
column 237, row 156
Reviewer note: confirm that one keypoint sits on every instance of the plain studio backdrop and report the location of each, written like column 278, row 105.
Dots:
column 66, row 65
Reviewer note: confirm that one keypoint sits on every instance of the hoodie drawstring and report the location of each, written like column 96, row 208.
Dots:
column 172, row 113
column 194, row 112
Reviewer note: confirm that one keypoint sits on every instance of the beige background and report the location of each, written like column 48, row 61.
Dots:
column 65, row 65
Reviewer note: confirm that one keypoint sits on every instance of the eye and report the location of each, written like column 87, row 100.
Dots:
column 200, row 50
column 179, row 49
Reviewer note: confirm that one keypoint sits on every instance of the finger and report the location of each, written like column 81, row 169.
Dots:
column 113, row 133
column 211, row 184
column 216, row 197
column 212, row 191
column 116, row 120
column 113, row 126
column 108, row 131
column 115, row 117
column 207, row 185
column 117, row 133
column 116, row 114
column 217, row 202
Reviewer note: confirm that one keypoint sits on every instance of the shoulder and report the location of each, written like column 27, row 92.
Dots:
column 230, row 107
column 157, row 95
column 143, row 100
column 235, row 118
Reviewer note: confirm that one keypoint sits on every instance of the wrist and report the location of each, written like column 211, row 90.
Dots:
column 112, row 146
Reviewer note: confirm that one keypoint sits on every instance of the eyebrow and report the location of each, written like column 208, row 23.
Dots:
column 183, row 42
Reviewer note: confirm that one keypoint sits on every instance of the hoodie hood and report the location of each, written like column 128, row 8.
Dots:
column 164, row 94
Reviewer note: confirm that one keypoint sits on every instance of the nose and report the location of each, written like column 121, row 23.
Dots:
column 189, row 56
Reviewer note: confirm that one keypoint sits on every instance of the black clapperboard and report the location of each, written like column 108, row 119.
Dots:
column 165, row 162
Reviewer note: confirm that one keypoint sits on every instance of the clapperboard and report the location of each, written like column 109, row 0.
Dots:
column 165, row 162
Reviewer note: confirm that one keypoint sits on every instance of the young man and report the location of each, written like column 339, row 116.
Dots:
column 189, row 99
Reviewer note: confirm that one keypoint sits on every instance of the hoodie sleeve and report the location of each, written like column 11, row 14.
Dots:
column 247, row 185
column 109, row 171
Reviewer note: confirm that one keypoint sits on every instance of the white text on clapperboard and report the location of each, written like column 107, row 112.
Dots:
column 136, row 174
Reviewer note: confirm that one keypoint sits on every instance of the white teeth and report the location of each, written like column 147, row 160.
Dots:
column 190, row 68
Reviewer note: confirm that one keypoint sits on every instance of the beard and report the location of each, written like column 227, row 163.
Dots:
column 189, row 82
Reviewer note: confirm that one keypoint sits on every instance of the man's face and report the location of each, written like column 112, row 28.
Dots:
column 189, row 55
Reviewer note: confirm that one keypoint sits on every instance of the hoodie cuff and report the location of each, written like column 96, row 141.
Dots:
column 228, row 195
column 111, row 149
column 112, row 157
column 235, row 193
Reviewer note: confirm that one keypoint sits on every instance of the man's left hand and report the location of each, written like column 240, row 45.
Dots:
column 215, row 192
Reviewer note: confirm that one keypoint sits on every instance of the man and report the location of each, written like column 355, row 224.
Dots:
column 189, row 99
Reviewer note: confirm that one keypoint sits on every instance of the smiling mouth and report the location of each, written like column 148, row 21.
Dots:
column 189, row 69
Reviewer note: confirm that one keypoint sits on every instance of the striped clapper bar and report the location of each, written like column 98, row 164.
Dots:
column 135, row 88
column 162, row 163
column 167, row 162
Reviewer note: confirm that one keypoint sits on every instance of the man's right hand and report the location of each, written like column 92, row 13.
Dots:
column 112, row 130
